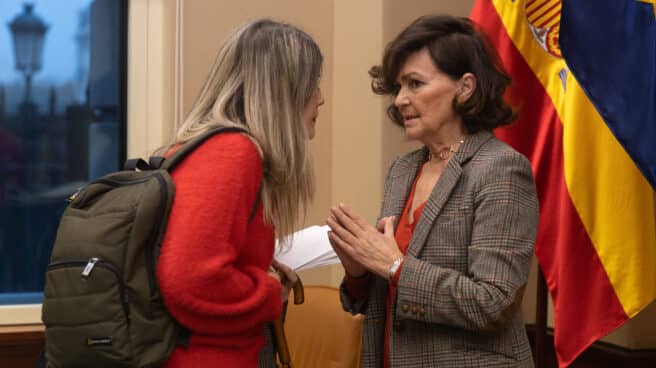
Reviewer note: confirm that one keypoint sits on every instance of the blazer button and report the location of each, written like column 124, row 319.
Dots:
column 405, row 308
column 414, row 309
column 422, row 312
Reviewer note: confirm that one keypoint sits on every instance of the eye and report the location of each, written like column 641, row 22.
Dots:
column 415, row 83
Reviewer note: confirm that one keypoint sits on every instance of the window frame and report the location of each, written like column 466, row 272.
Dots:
column 151, row 32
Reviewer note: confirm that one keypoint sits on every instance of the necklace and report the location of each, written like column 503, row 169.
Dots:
column 444, row 153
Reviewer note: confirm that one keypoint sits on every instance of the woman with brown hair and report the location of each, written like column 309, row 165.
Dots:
column 441, row 277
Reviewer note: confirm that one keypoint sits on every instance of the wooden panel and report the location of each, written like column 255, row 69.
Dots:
column 599, row 354
column 20, row 349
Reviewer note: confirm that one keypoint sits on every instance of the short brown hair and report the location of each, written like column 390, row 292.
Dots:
column 456, row 47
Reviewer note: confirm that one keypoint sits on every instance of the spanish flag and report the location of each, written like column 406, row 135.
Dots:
column 584, row 80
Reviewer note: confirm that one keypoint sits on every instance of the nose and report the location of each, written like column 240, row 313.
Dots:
column 320, row 97
column 401, row 99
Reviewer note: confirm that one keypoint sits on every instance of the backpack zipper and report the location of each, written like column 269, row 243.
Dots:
column 89, row 265
column 150, row 253
column 116, row 183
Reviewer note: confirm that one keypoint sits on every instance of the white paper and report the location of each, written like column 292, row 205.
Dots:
column 309, row 248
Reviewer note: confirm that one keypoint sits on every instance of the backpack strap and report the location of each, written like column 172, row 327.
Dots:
column 179, row 155
column 155, row 162
column 188, row 147
column 136, row 163
column 184, row 336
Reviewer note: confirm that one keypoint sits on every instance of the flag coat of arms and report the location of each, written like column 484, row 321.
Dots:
column 584, row 82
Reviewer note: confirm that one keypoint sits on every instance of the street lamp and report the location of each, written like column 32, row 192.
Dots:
column 28, row 31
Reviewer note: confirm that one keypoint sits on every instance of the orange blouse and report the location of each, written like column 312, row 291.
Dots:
column 403, row 236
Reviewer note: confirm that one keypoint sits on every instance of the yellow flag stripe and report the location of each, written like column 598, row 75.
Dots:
column 613, row 199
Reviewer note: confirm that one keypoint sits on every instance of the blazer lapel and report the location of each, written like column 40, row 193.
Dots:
column 401, row 180
column 434, row 204
column 443, row 188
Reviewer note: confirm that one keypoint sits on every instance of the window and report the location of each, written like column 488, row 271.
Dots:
column 62, row 123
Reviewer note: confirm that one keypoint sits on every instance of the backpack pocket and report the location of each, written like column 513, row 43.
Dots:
column 86, row 313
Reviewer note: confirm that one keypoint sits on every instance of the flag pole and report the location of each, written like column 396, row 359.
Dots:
column 541, row 321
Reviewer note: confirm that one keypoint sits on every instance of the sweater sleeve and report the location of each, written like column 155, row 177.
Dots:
column 207, row 283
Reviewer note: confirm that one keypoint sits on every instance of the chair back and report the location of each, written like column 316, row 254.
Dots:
column 320, row 333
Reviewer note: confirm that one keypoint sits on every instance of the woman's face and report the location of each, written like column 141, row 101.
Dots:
column 425, row 98
column 310, row 113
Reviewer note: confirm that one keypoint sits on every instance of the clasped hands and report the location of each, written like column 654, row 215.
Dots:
column 361, row 247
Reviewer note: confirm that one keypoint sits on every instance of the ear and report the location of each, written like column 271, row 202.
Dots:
column 467, row 86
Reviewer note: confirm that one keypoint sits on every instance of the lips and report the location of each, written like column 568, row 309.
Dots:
column 408, row 118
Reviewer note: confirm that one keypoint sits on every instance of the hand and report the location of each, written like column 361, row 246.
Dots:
column 289, row 278
column 383, row 221
column 351, row 267
column 361, row 243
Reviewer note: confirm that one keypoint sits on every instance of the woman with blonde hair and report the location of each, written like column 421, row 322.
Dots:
column 215, row 256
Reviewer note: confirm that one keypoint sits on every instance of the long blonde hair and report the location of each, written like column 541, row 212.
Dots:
column 261, row 80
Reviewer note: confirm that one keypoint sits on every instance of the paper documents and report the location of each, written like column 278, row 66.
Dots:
column 309, row 248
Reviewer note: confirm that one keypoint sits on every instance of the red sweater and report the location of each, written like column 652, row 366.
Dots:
column 213, row 267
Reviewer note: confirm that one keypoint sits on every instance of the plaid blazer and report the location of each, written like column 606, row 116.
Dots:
column 460, row 287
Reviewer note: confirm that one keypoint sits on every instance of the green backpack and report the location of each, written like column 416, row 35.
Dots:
column 102, row 306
